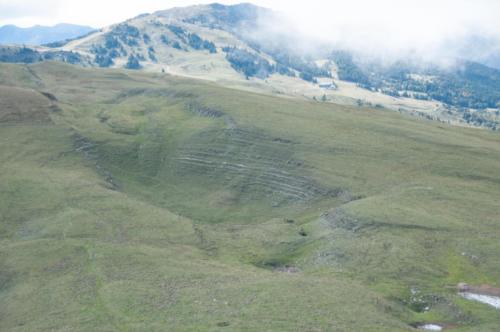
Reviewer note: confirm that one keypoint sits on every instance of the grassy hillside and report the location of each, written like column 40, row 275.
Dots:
column 146, row 202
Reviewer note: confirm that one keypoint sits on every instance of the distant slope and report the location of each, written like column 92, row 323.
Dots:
column 469, row 89
column 216, row 42
column 233, row 46
column 37, row 35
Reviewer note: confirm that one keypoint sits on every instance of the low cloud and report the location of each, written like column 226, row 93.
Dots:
column 425, row 30
column 429, row 30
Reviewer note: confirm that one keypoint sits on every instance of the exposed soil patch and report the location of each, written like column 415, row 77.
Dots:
column 481, row 290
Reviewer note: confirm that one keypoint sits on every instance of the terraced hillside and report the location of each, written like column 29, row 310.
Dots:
column 134, row 201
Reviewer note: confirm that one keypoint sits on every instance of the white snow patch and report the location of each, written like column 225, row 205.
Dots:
column 493, row 301
column 431, row 327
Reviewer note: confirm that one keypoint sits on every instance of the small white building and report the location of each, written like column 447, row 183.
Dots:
column 327, row 84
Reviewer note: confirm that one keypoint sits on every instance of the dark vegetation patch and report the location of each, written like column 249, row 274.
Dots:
column 308, row 77
column 20, row 55
column 104, row 56
column 49, row 96
column 468, row 85
column 306, row 67
column 191, row 39
column 177, row 30
column 152, row 54
column 133, row 62
column 104, row 61
column 114, row 41
column 272, row 264
column 28, row 55
column 348, row 70
column 198, row 43
column 64, row 56
column 254, row 65
column 288, row 61
column 128, row 34
column 177, row 45
column 247, row 63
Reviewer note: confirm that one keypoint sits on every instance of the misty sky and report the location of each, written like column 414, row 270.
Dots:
column 395, row 25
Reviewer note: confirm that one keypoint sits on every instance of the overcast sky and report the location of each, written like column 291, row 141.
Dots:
column 371, row 23
column 421, row 15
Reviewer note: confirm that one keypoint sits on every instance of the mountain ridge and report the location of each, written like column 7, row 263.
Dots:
column 39, row 34
column 226, row 44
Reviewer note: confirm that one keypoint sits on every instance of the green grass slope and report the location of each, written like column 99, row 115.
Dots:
column 141, row 202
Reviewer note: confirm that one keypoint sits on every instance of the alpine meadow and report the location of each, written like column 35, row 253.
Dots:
column 180, row 172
